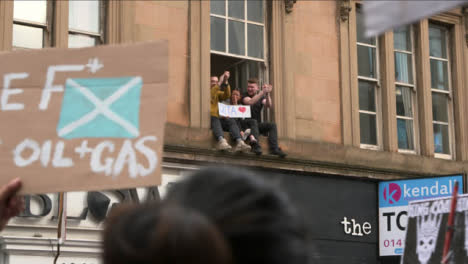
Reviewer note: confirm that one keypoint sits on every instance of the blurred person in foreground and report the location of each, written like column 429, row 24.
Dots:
column 216, row 216
column 10, row 203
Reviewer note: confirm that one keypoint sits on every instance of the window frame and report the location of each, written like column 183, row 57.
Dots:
column 453, row 21
column 263, row 64
column 246, row 22
column 99, row 37
column 57, row 24
column 47, row 28
column 448, row 93
column 414, row 89
column 377, row 93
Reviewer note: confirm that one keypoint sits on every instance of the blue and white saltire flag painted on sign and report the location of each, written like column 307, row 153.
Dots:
column 100, row 107
column 382, row 16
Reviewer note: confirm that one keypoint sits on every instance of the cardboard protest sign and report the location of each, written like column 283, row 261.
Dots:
column 394, row 197
column 83, row 119
column 234, row 111
column 427, row 224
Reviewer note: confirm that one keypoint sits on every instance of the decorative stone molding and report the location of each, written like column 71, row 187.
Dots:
column 465, row 14
column 289, row 5
column 345, row 8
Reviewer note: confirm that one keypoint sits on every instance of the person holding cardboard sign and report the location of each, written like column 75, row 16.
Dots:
column 257, row 99
column 10, row 203
column 218, row 125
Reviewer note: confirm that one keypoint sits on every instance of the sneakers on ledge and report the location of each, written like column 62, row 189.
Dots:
column 223, row 145
column 256, row 148
column 278, row 152
column 241, row 146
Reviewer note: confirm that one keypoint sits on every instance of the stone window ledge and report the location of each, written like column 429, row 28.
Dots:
column 197, row 146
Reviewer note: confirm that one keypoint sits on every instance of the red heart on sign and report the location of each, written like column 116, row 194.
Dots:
column 242, row 109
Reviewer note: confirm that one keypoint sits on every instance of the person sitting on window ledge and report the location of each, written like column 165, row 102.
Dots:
column 218, row 125
column 249, row 126
column 257, row 99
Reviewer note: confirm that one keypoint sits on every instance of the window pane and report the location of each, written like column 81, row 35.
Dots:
column 236, row 37
column 254, row 67
column 218, row 34
column 218, row 7
column 84, row 15
column 243, row 76
column 368, row 127
column 255, row 10
column 255, row 40
column 403, row 68
column 35, row 11
column 441, row 139
column 439, row 75
column 360, row 29
column 439, row 107
column 405, row 134
column 236, row 8
column 404, row 101
column 27, row 37
column 437, row 42
column 366, row 96
column 402, row 38
column 366, row 62
column 80, row 41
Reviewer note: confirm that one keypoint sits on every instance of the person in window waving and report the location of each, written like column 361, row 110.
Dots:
column 257, row 99
column 220, row 91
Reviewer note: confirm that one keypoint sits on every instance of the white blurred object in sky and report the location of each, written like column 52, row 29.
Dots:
column 381, row 16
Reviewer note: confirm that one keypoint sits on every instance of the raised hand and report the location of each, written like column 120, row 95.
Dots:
column 10, row 203
column 267, row 88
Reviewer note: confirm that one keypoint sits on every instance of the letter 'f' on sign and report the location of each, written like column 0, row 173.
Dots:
column 49, row 85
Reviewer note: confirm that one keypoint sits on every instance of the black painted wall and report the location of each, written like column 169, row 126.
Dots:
column 323, row 201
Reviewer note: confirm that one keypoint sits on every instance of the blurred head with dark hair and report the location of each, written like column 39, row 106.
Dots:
column 215, row 216
column 158, row 233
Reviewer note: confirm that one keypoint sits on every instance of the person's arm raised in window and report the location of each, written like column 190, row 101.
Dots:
column 223, row 82
column 267, row 89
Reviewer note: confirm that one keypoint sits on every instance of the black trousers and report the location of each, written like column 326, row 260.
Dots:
column 263, row 128
column 218, row 125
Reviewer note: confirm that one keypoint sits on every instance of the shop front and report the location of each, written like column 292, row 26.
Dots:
column 340, row 214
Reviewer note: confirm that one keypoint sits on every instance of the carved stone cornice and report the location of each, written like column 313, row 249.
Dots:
column 465, row 14
column 289, row 4
column 344, row 8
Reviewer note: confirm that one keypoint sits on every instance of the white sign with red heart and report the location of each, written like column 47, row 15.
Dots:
column 234, row 111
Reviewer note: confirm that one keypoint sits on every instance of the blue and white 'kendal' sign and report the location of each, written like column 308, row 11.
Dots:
column 394, row 197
